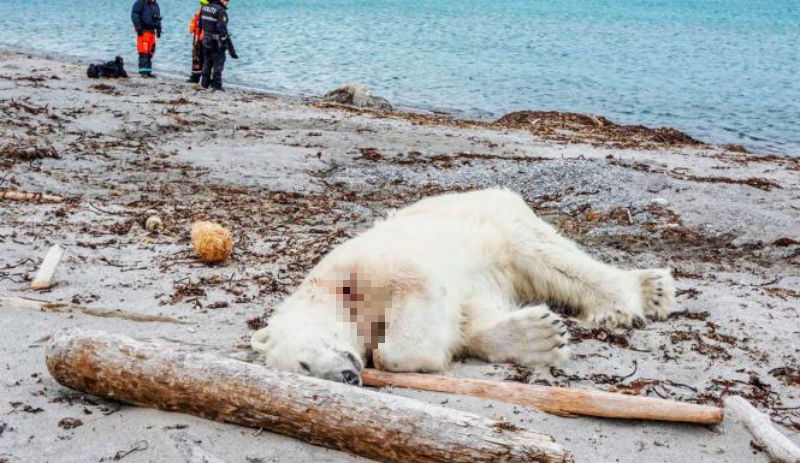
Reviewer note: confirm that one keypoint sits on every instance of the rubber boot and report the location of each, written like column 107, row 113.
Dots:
column 216, row 82
column 145, row 65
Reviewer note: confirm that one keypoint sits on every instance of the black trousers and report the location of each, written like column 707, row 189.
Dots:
column 213, row 63
column 145, row 62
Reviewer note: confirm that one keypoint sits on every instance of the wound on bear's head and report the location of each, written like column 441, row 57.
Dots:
column 364, row 302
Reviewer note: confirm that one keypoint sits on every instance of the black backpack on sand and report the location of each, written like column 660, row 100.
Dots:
column 111, row 69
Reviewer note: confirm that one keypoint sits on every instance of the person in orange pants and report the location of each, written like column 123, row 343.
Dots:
column 146, row 17
column 197, row 44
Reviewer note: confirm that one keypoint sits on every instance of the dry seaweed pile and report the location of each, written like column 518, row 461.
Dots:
column 597, row 130
column 13, row 153
column 561, row 127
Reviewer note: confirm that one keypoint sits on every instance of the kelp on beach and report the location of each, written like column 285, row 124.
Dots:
column 561, row 127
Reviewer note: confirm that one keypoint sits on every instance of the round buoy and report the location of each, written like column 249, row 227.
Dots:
column 211, row 241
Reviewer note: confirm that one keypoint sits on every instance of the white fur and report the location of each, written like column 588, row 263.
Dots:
column 450, row 274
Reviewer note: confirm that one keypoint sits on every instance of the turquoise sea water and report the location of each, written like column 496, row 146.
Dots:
column 725, row 71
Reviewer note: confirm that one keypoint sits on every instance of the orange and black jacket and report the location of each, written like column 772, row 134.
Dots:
column 194, row 26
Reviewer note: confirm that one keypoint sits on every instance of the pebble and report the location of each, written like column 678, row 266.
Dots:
column 153, row 223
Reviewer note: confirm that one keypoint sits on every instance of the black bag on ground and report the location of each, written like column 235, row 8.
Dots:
column 112, row 69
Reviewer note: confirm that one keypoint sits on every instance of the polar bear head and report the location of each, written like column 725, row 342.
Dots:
column 309, row 350
column 327, row 327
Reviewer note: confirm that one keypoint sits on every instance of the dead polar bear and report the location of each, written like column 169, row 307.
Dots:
column 452, row 274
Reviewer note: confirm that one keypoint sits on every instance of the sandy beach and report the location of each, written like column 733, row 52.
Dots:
column 292, row 178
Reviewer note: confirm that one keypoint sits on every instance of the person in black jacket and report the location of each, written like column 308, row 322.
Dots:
column 214, row 22
column 146, row 17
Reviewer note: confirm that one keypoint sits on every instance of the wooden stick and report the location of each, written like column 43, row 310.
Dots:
column 185, row 378
column 556, row 400
column 23, row 196
column 64, row 307
column 779, row 447
column 43, row 277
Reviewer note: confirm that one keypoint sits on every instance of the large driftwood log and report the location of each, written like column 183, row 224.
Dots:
column 779, row 447
column 185, row 378
column 36, row 197
column 556, row 400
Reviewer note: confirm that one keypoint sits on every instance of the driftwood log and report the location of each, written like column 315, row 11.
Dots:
column 186, row 378
column 35, row 197
column 556, row 400
column 779, row 447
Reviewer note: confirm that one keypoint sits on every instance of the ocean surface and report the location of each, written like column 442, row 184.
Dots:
column 725, row 71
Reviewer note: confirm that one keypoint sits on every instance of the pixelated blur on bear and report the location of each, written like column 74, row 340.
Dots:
column 463, row 273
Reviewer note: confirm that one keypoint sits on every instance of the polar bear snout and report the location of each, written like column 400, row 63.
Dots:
column 351, row 377
column 332, row 364
column 310, row 352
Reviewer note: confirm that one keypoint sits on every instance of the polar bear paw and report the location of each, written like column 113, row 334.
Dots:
column 531, row 336
column 614, row 316
column 658, row 292
column 619, row 305
column 635, row 295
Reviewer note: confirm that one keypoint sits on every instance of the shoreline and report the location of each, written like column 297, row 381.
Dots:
column 582, row 126
column 291, row 180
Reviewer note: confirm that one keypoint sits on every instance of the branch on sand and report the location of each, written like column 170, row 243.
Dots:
column 65, row 307
column 32, row 197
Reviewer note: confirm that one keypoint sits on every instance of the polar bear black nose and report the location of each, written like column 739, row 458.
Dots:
column 351, row 377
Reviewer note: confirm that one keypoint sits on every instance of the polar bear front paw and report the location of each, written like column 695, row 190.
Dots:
column 531, row 336
column 620, row 305
column 615, row 316
column 635, row 294
column 658, row 292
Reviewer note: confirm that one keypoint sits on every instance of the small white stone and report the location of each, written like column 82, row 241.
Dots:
column 153, row 223
column 663, row 202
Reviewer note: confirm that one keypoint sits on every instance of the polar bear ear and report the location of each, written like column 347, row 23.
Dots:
column 259, row 340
